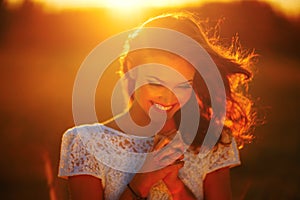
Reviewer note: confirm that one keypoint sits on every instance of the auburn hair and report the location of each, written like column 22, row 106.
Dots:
column 235, row 66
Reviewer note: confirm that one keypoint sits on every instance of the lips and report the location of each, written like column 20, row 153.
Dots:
column 162, row 107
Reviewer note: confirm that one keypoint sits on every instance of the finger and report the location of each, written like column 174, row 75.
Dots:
column 167, row 153
column 170, row 133
column 163, row 142
column 174, row 166
column 167, row 162
column 174, row 146
column 157, row 138
column 165, row 171
column 177, row 144
column 180, row 162
column 170, row 159
column 181, row 157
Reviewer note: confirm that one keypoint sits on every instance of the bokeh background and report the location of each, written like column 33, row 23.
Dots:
column 41, row 49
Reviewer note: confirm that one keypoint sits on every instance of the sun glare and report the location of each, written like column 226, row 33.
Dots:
column 289, row 7
column 125, row 4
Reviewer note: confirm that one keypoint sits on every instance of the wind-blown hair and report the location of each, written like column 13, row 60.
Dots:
column 235, row 66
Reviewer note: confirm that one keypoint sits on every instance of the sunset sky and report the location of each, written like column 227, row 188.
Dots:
column 289, row 7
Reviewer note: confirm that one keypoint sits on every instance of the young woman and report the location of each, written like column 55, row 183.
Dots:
column 94, row 172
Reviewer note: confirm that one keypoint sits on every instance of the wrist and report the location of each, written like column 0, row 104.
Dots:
column 179, row 191
column 176, row 186
column 135, row 194
column 139, row 188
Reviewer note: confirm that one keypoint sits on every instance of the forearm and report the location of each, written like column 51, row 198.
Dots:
column 127, row 195
column 180, row 191
column 135, row 190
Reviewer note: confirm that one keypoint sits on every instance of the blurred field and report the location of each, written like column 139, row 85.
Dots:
column 40, row 54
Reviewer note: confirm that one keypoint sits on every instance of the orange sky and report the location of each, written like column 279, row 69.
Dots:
column 289, row 7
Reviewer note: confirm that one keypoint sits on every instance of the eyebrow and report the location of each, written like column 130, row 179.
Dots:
column 189, row 81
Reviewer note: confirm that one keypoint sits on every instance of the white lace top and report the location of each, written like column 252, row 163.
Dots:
column 113, row 156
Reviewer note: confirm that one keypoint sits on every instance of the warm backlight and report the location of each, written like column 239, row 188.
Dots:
column 114, row 3
column 289, row 7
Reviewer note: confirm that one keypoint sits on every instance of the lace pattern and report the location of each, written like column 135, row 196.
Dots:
column 88, row 150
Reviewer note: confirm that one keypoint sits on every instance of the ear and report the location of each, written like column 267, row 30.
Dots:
column 132, row 74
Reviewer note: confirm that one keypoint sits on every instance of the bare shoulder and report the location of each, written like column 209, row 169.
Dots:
column 111, row 123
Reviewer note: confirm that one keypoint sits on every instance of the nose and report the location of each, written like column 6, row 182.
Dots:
column 167, row 97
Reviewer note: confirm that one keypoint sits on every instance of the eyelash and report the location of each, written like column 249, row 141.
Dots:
column 186, row 86
column 155, row 84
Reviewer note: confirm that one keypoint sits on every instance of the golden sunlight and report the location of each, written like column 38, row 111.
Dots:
column 128, row 4
column 289, row 7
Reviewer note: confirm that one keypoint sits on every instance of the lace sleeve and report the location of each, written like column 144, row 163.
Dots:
column 75, row 159
column 223, row 156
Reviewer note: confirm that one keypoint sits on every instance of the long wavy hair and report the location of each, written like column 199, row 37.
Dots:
column 235, row 66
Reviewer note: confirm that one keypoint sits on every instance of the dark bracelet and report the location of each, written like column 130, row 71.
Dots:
column 138, row 197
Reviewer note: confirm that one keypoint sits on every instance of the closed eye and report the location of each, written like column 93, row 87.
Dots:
column 184, row 86
column 154, row 83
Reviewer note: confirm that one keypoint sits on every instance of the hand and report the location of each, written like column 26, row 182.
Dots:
column 142, row 182
column 173, row 152
column 174, row 183
column 167, row 154
column 168, row 148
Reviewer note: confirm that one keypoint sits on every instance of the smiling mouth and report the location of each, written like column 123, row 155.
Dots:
column 161, row 107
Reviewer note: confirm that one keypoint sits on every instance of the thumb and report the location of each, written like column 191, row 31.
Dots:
column 174, row 167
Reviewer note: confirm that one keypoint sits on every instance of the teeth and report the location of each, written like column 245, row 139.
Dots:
column 165, row 108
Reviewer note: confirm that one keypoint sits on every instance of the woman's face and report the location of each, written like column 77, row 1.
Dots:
column 167, row 88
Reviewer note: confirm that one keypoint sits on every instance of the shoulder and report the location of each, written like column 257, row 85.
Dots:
column 223, row 156
column 73, row 134
column 76, row 153
column 95, row 137
column 106, row 145
column 75, row 137
column 89, row 130
column 86, row 128
column 88, row 136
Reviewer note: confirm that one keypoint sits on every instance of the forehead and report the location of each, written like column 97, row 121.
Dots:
column 163, row 64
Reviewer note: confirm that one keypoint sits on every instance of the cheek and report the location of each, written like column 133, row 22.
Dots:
column 183, row 96
column 148, row 91
column 143, row 94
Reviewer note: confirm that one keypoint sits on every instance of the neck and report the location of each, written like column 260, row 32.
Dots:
column 169, row 125
column 138, row 115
